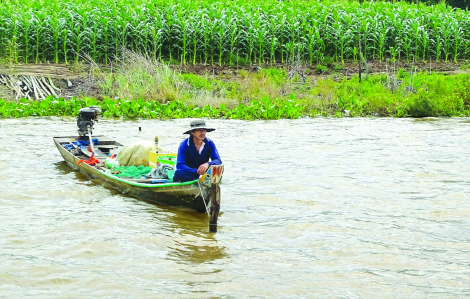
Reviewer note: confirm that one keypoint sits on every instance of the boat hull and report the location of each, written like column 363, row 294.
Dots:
column 182, row 195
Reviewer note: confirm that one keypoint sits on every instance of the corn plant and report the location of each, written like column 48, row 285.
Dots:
column 39, row 20
column 169, row 27
column 437, row 42
column 54, row 35
column 233, row 35
column 208, row 38
column 217, row 31
column 182, row 28
column 222, row 36
column 26, row 29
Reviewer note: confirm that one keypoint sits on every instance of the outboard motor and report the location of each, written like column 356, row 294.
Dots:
column 86, row 119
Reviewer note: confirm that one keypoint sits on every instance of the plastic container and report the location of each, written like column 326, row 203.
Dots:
column 168, row 159
column 110, row 163
column 170, row 174
column 154, row 155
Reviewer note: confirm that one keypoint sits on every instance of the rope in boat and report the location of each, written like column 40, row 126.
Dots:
column 202, row 195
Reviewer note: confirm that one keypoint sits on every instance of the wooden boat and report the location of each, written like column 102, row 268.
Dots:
column 201, row 195
column 187, row 194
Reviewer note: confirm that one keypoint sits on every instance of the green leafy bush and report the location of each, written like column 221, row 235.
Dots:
column 320, row 69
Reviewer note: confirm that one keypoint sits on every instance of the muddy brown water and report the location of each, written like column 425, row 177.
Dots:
column 311, row 208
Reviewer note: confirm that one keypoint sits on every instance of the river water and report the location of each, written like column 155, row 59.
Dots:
column 311, row 208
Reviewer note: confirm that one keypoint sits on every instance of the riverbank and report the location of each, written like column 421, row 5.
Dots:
column 401, row 89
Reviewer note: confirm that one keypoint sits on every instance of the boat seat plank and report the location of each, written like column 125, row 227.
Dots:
column 75, row 138
column 106, row 146
column 65, row 140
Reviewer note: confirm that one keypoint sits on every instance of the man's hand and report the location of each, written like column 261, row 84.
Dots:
column 203, row 168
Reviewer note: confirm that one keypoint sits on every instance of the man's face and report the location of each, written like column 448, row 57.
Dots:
column 199, row 134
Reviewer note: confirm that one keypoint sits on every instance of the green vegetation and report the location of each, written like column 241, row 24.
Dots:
column 321, row 35
column 235, row 32
column 418, row 95
column 463, row 4
column 404, row 95
column 320, row 69
column 138, row 77
column 265, row 109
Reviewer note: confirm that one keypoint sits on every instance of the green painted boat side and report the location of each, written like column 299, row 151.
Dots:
column 185, row 194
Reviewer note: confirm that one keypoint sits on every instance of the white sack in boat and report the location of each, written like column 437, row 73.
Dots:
column 136, row 153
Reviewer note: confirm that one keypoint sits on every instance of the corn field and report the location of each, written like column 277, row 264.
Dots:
column 231, row 31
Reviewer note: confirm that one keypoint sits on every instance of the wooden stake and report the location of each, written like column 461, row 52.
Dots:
column 214, row 197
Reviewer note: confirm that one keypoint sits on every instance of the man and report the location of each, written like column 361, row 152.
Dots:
column 194, row 153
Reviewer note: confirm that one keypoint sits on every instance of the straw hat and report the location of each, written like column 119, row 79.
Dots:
column 198, row 124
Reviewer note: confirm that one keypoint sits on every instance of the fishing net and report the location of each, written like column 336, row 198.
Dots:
column 131, row 171
column 136, row 153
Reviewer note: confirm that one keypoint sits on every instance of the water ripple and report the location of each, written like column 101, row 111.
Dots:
column 311, row 208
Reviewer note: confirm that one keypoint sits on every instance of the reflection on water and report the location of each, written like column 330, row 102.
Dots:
column 311, row 208
column 426, row 119
column 197, row 253
column 196, row 245
column 62, row 168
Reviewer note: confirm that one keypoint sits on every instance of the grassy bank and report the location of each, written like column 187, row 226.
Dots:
column 396, row 92
column 142, row 87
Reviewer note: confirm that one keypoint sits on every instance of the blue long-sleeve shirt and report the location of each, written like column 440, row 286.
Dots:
column 189, row 159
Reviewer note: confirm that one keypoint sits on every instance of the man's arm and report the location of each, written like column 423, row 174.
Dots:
column 215, row 158
column 181, row 160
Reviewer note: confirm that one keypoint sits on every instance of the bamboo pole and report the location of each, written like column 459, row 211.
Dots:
column 52, row 71
column 22, row 86
column 51, row 90
column 52, row 85
column 43, row 88
column 36, row 92
column 27, row 82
